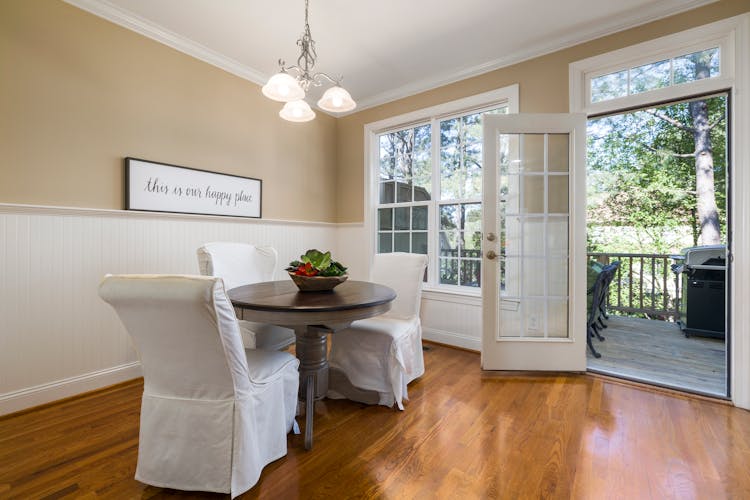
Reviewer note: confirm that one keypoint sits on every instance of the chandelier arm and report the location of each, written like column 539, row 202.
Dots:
column 334, row 80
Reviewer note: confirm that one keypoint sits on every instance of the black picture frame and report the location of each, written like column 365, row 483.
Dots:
column 152, row 186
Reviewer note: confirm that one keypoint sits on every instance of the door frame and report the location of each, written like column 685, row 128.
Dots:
column 733, row 36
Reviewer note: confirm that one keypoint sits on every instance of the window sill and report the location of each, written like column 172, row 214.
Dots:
column 469, row 297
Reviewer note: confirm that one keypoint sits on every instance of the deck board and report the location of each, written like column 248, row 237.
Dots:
column 658, row 352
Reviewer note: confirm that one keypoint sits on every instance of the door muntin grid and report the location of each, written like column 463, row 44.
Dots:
column 533, row 224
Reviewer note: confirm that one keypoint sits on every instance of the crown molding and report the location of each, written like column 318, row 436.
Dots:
column 126, row 19
column 549, row 46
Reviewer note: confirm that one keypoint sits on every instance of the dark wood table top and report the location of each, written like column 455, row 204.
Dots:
column 284, row 296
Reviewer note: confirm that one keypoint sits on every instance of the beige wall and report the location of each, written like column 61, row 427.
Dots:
column 78, row 93
column 543, row 88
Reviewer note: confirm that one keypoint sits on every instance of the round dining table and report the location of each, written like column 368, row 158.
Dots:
column 312, row 316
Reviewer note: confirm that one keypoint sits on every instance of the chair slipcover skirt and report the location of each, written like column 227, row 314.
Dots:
column 383, row 354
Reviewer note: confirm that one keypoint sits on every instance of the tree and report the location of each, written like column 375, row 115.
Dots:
column 635, row 143
column 661, row 168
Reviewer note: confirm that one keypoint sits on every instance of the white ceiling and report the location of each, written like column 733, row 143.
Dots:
column 385, row 49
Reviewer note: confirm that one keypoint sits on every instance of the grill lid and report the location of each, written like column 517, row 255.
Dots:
column 697, row 256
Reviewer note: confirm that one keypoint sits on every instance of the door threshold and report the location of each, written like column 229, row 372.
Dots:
column 654, row 386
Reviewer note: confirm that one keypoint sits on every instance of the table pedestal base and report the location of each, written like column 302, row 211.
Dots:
column 312, row 351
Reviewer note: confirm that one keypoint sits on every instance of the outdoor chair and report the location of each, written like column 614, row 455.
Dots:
column 598, row 299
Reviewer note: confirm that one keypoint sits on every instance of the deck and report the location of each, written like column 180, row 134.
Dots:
column 657, row 352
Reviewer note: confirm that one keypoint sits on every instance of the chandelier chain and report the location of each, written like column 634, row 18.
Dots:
column 306, row 60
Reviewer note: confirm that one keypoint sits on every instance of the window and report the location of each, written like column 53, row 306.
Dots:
column 655, row 75
column 429, row 187
column 695, row 62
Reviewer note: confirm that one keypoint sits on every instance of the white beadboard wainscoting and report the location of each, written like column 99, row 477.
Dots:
column 57, row 337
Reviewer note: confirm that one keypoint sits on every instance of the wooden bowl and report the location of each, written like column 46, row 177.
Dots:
column 317, row 283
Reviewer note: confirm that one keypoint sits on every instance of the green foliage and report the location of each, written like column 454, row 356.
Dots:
column 320, row 262
column 318, row 259
column 642, row 174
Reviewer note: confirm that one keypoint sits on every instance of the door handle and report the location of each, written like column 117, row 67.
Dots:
column 491, row 255
column 491, row 237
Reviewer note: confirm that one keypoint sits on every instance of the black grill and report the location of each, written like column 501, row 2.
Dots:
column 703, row 301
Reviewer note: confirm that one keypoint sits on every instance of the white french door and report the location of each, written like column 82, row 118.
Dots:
column 534, row 242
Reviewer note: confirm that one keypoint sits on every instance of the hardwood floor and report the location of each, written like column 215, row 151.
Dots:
column 465, row 434
column 658, row 352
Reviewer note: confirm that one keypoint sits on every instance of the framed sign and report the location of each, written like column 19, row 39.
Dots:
column 159, row 187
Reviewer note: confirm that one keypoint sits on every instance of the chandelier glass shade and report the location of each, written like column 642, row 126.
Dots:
column 297, row 111
column 285, row 87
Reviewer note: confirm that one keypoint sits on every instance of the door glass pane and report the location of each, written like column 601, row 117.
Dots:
column 511, row 235
column 533, row 236
column 509, row 193
column 533, row 279
column 533, row 269
column 510, row 274
column 532, row 153
column 533, row 318
column 557, row 314
column 533, row 194
column 557, row 236
column 509, row 319
column 558, row 194
column 558, row 157
column 557, row 277
column 508, row 154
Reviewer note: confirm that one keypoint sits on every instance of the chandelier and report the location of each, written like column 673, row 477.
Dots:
column 291, row 90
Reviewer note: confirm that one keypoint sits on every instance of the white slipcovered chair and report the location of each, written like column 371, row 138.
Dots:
column 241, row 264
column 213, row 414
column 379, row 356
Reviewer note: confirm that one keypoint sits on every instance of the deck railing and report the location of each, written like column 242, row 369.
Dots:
column 644, row 284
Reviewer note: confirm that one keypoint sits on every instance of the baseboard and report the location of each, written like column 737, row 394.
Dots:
column 452, row 339
column 12, row 402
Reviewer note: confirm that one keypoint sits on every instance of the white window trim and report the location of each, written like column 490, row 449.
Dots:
column 721, row 34
column 507, row 96
column 734, row 36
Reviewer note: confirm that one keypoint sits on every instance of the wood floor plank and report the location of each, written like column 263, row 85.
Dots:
column 464, row 434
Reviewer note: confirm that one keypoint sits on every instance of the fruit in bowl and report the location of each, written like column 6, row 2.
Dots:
column 316, row 271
